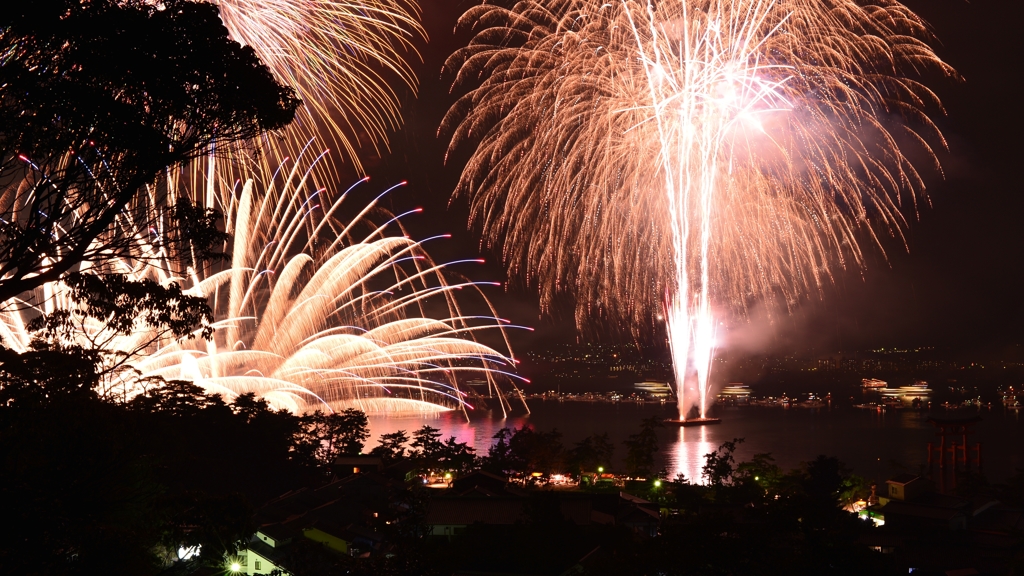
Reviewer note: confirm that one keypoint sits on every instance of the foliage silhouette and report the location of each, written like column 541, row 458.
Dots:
column 98, row 98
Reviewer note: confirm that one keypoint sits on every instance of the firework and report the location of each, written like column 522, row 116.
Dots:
column 694, row 156
column 313, row 312
column 339, row 57
column 129, row 246
column 318, row 312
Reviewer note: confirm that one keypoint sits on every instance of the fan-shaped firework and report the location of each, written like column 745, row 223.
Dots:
column 312, row 312
column 339, row 57
column 693, row 154
column 315, row 312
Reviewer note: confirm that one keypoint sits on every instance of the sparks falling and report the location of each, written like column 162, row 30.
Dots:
column 693, row 156
column 341, row 58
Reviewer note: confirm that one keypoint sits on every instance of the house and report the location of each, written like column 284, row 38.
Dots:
column 451, row 514
column 622, row 509
column 905, row 487
column 348, row 464
column 910, row 502
column 263, row 554
column 918, row 514
column 932, row 533
column 341, row 516
column 405, row 470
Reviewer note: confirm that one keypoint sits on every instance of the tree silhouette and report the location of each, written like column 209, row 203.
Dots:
column 391, row 447
column 327, row 436
column 592, row 452
column 641, row 448
column 96, row 99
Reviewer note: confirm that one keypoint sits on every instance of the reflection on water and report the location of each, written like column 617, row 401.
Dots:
column 687, row 456
column 874, row 444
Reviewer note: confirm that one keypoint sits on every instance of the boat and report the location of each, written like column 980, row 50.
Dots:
column 694, row 422
column 872, row 383
column 892, row 404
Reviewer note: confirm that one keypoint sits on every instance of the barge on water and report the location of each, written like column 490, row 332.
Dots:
column 694, row 422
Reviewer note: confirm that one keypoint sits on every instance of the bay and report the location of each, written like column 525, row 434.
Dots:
column 875, row 445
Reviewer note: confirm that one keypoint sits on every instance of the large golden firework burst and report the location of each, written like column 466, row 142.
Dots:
column 635, row 153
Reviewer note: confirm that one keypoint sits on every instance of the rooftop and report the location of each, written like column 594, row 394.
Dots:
column 902, row 479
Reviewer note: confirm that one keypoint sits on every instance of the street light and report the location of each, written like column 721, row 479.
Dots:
column 600, row 469
column 235, row 567
column 657, row 483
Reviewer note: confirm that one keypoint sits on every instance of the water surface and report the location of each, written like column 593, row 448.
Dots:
column 875, row 445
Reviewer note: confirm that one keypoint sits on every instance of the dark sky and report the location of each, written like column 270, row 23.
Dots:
column 959, row 286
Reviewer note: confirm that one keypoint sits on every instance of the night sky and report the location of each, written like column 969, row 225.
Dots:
column 957, row 288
